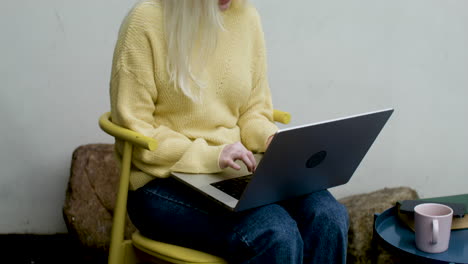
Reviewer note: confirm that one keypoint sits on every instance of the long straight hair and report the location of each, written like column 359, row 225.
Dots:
column 192, row 28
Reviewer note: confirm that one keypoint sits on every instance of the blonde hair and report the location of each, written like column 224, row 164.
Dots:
column 191, row 28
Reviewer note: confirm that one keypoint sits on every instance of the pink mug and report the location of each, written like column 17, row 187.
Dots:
column 432, row 224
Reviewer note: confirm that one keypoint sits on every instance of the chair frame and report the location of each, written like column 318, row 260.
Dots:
column 121, row 251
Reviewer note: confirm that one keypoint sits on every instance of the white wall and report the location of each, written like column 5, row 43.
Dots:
column 327, row 58
column 333, row 58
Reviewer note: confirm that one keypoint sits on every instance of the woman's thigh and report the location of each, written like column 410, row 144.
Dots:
column 169, row 211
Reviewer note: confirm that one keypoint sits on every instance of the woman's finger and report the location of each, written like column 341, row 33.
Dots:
column 252, row 159
column 232, row 164
column 247, row 161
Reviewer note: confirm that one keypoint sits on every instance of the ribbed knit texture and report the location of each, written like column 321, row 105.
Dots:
column 235, row 105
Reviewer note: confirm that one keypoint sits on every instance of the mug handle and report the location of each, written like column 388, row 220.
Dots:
column 435, row 231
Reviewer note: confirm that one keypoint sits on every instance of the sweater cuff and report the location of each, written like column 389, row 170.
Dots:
column 212, row 158
column 266, row 133
column 204, row 160
column 255, row 137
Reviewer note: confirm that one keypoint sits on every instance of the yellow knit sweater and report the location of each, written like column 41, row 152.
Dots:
column 235, row 105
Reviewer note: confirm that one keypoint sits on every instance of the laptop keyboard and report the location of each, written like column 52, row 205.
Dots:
column 234, row 187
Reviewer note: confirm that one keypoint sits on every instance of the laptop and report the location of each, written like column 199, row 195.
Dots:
column 299, row 160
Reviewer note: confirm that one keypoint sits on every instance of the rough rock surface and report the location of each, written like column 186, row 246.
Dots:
column 361, row 209
column 91, row 194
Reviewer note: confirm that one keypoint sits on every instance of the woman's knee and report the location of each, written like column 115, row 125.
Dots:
column 334, row 216
column 270, row 233
column 272, row 222
column 285, row 235
column 320, row 212
column 324, row 207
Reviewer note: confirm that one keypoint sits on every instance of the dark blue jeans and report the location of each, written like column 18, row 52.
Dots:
column 308, row 229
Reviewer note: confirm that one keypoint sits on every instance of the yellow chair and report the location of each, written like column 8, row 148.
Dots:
column 123, row 251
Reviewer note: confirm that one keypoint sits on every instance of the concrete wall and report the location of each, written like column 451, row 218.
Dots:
column 327, row 59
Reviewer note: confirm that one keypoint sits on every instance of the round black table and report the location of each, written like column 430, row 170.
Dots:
column 395, row 234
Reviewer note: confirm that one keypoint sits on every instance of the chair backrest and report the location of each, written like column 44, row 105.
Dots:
column 131, row 139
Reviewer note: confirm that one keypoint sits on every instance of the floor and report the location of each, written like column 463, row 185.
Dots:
column 45, row 249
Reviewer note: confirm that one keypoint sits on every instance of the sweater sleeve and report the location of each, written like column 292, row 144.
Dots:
column 134, row 94
column 256, row 119
column 132, row 106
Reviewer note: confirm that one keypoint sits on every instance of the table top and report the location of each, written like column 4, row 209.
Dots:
column 395, row 233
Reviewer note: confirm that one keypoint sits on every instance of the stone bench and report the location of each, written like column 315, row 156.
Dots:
column 92, row 190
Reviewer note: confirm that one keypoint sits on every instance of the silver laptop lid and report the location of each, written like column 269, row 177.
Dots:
column 313, row 157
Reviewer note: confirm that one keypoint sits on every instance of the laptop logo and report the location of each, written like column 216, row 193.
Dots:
column 316, row 159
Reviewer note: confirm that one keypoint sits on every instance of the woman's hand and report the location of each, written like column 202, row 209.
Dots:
column 237, row 151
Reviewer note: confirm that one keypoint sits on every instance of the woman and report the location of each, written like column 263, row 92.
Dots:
column 192, row 75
